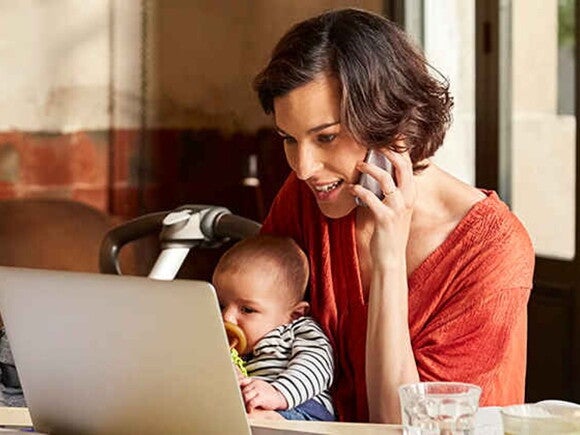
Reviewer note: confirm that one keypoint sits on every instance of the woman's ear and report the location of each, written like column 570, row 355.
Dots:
column 300, row 309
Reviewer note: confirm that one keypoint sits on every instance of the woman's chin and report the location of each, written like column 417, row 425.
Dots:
column 335, row 210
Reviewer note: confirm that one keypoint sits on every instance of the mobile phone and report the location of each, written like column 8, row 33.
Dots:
column 376, row 158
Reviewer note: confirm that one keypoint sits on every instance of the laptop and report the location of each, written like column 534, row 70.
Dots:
column 106, row 354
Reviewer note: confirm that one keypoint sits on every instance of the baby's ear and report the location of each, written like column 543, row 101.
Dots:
column 300, row 309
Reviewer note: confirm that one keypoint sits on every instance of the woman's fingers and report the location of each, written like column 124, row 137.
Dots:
column 384, row 178
column 403, row 168
column 397, row 204
column 392, row 190
column 391, row 193
column 368, row 197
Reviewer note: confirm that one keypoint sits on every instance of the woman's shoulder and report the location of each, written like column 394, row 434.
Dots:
column 480, row 216
column 496, row 242
column 483, row 239
column 497, row 221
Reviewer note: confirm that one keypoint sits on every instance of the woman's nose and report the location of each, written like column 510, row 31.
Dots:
column 304, row 160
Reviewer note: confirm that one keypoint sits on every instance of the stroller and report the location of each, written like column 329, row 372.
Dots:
column 185, row 228
column 202, row 227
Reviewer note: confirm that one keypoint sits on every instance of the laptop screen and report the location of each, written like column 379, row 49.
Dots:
column 117, row 354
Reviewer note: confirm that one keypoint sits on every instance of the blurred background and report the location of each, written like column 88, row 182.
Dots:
column 125, row 107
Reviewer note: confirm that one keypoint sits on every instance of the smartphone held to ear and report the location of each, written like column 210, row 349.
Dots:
column 375, row 158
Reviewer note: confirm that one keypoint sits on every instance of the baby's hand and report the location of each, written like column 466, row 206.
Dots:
column 259, row 394
column 239, row 375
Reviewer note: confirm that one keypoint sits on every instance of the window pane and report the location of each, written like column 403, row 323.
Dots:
column 543, row 129
column 449, row 38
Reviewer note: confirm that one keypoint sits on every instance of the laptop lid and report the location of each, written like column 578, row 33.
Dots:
column 113, row 354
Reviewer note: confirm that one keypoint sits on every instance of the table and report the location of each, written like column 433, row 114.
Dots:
column 488, row 422
column 319, row 427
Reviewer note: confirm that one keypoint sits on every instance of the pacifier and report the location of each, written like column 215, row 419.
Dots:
column 236, row 337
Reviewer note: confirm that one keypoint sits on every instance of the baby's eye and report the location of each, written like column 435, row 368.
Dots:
column 248, row 310
column 326, row 138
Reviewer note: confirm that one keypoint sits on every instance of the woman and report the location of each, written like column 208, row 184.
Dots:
column 430, row 282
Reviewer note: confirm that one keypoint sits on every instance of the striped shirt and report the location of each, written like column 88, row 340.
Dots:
column 296, row 359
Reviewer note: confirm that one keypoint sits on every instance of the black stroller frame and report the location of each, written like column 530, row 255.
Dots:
column 180, row 230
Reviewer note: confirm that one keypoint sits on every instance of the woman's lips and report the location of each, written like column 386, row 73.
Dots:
column 328, row 191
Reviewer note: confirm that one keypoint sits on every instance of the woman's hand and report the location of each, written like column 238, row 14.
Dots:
column 393, row 214
column 389, row 355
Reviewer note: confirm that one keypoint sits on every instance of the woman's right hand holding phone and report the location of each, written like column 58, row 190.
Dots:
column 392, row 214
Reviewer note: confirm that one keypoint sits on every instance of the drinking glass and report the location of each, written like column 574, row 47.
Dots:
column 440, row 407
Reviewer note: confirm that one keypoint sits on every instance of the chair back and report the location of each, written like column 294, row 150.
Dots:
column 56, row 234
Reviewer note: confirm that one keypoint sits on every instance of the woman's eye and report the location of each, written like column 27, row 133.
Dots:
column 326, row 138
column 289, row 140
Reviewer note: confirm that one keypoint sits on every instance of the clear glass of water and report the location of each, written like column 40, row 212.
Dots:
column 439, row 408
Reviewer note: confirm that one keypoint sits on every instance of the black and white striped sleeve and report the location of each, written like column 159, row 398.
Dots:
column 310, row 369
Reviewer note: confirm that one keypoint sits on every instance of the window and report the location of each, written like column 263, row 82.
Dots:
column 449, row 41
column 543, row 125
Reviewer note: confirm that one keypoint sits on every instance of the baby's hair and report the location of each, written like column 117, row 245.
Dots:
column 277, row 254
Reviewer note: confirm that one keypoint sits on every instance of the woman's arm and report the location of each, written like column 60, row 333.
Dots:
column 389, row 356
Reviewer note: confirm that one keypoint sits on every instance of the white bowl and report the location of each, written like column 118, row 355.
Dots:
column 548, row 417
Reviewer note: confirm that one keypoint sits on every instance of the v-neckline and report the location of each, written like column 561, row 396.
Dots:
column 430, row 262
column 426, row 266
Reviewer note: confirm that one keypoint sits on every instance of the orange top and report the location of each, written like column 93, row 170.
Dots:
column 467, row 300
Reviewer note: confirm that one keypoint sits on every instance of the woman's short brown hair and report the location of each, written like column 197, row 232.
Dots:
column 387, row 92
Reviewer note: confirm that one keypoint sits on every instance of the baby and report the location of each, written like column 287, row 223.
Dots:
column 260, row 284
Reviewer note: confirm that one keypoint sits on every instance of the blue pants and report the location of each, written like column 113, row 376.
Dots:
column 310, row 410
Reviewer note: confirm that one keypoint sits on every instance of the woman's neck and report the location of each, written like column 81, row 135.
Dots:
column 427, row 199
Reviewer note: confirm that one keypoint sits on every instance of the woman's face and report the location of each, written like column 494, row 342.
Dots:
column 318, row 147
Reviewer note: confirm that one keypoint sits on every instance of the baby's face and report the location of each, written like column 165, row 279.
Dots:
column 253, row 300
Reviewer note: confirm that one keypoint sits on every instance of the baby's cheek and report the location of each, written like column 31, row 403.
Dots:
column 254, row 332
column 252, row 340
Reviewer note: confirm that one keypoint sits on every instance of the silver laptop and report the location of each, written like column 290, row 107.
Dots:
column 104, row 354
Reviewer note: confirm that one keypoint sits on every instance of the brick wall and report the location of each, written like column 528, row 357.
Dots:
column 127, row 173
column 54, row 165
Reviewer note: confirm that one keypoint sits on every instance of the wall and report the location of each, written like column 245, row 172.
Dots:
column 127, row 105
column 53, row 99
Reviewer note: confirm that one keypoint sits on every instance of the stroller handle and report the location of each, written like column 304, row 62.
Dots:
column 235, row 227
column 186, row 227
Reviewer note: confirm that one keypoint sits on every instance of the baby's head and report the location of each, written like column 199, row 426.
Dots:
column 260, row 283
